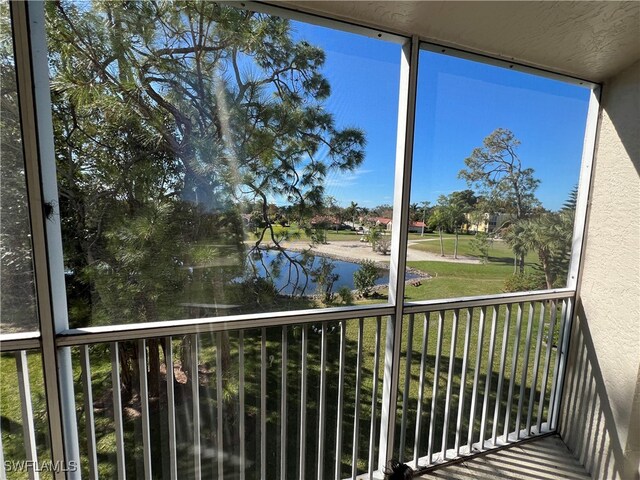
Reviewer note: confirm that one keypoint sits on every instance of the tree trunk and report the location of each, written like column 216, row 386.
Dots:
column 455, row 247
column 441, row 243
column 521, row 263
column 548, row 276
column 515, row 263
column 154, row 367
column 129, row 373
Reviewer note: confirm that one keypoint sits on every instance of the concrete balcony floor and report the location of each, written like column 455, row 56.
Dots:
column 547, row 458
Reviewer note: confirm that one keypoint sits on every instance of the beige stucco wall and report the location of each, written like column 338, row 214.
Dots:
column 600, row 421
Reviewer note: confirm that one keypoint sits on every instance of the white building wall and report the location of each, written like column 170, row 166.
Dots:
column 600, row 421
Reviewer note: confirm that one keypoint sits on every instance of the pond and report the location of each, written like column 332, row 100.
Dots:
column 278, row 265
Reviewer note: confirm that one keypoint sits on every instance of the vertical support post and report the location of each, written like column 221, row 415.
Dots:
column 584, row 189
column 37, row 134
column 578, row 242
column 402, row 192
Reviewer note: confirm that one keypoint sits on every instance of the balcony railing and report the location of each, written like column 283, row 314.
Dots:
column 302, row 395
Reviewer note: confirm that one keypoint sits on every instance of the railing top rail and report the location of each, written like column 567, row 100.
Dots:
column 11, row 342
column 486, row 300
column 137, row 331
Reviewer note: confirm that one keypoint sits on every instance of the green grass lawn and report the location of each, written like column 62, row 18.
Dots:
column 293, row 233
column 499, row 251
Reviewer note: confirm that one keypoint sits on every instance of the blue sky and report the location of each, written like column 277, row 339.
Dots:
column 459, row 103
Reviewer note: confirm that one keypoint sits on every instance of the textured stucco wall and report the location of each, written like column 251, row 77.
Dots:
column 601, row 414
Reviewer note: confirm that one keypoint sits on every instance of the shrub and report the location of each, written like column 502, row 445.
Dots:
column 481, row 244
column 383, row 245
column 346, row 295
column 524, row 282
column 365, row 277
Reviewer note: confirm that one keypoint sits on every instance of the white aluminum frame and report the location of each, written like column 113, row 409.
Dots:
column 37, row 140
column 54, row 336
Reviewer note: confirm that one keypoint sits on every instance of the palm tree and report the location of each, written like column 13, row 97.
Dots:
column 439, row 220
column 352, row 211
column 547, row 235
column 515, row 235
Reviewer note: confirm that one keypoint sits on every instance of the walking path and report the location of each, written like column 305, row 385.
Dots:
column 356, row 251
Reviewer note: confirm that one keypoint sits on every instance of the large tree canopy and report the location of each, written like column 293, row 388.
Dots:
column 167, row 117
column 496, row 168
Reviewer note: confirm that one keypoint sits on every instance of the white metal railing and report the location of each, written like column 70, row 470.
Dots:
column 304, row 395
column 530, row 333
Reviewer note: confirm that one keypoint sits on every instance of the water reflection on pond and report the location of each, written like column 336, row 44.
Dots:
column 289, row 279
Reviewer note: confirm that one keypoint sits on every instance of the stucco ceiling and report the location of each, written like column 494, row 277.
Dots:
column 590, row 40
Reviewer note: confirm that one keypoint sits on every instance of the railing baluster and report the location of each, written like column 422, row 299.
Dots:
column 476, row 378
column 219, row 407
column 144, row 408
column 436, row 379
column 487, row 385
column 3, row 471
column 374, row 399
column 242, row 437
column 525, row 367
column 303, row 402
column 283, row 404
column 195, row 404
column 463, row 380
column 117, row 410
column 423, row 361
column 405, row 393
column 171, row 408
column 514, row 366
column 90, row 426
column 561, row 353
column 26, row 408
column 554, row 380
column 356, row 414
column 452, row 362
column 536, row 365
column 263, row 403
column 343, row 341
column 547, row 364
column 322, row 405
column 503, row 360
